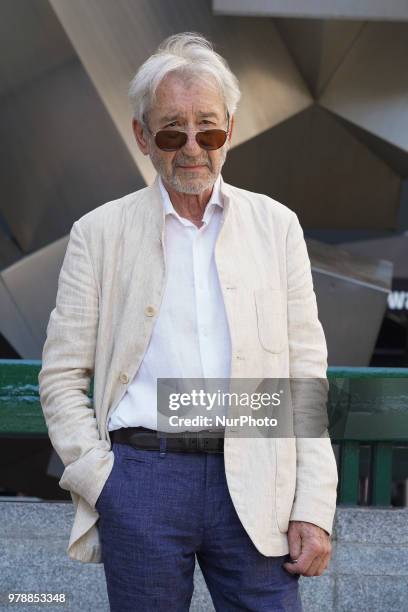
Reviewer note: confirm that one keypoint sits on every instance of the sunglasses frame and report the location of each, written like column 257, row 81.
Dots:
column 185, row 133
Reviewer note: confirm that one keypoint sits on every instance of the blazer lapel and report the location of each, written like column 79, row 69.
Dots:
column 140, row 284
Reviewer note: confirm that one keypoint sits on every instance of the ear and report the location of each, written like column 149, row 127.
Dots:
column 231, row 126
column 140, row 136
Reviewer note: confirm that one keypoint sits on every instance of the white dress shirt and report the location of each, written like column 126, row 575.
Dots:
column 190, row 338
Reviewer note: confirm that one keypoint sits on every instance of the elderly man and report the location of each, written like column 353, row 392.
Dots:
column 187, row 278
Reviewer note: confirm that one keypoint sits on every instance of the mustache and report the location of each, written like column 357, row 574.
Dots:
column 185, row 161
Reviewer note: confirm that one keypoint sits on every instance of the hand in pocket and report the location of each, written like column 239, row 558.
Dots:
column 107, row 485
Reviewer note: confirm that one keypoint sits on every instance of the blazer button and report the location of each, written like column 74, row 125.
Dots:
column 150, row 311
column 124, row 378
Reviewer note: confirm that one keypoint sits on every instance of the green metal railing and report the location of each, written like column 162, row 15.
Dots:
column 366, row 407
column 370, row 410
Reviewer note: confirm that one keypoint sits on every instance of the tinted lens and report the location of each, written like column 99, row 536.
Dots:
column 211, row 139
column 170, row 140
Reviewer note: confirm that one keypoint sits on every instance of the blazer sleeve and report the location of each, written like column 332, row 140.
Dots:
column 67, row 367
column 316, row 469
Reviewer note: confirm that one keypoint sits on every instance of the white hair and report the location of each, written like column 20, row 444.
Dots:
column 190, row 55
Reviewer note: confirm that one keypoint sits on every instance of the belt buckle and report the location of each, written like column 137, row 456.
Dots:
column 199, row 442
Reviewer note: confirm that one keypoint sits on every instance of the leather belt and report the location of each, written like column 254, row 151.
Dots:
column 187, row 442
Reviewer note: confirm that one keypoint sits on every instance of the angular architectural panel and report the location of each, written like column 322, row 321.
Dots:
column 395, row 157
column 318, row 46
column 351, row 292
column 61, row 155
column 394, row 249
column 318, row 168
column 316, row 9
column 28, row 291
column 370, row 87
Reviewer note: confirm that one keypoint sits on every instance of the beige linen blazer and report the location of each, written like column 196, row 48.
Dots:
column 112, row 280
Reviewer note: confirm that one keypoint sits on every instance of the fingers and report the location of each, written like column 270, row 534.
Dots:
column 305, row 560
column 313, row 567
column 312, row 561
column 324, row 564
column 295, row 544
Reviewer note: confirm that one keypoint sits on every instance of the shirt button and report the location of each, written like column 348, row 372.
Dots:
column 150, row 311
column 124, row 378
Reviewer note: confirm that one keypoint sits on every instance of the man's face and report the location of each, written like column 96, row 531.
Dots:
column 187, row 105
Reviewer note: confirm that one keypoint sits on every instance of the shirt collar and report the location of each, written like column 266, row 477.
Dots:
column 216, row 199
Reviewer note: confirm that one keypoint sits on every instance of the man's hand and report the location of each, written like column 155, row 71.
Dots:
column 311, row 546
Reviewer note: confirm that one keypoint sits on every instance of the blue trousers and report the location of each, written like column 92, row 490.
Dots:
column 159, row 511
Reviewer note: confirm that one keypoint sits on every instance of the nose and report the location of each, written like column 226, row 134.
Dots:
column 191, row 147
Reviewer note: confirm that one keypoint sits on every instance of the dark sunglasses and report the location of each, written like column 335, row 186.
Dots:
column 172, row 140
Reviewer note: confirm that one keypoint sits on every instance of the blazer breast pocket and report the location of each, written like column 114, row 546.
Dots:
column 271, row 319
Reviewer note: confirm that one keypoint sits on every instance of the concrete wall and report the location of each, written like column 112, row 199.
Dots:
column 368, row 571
